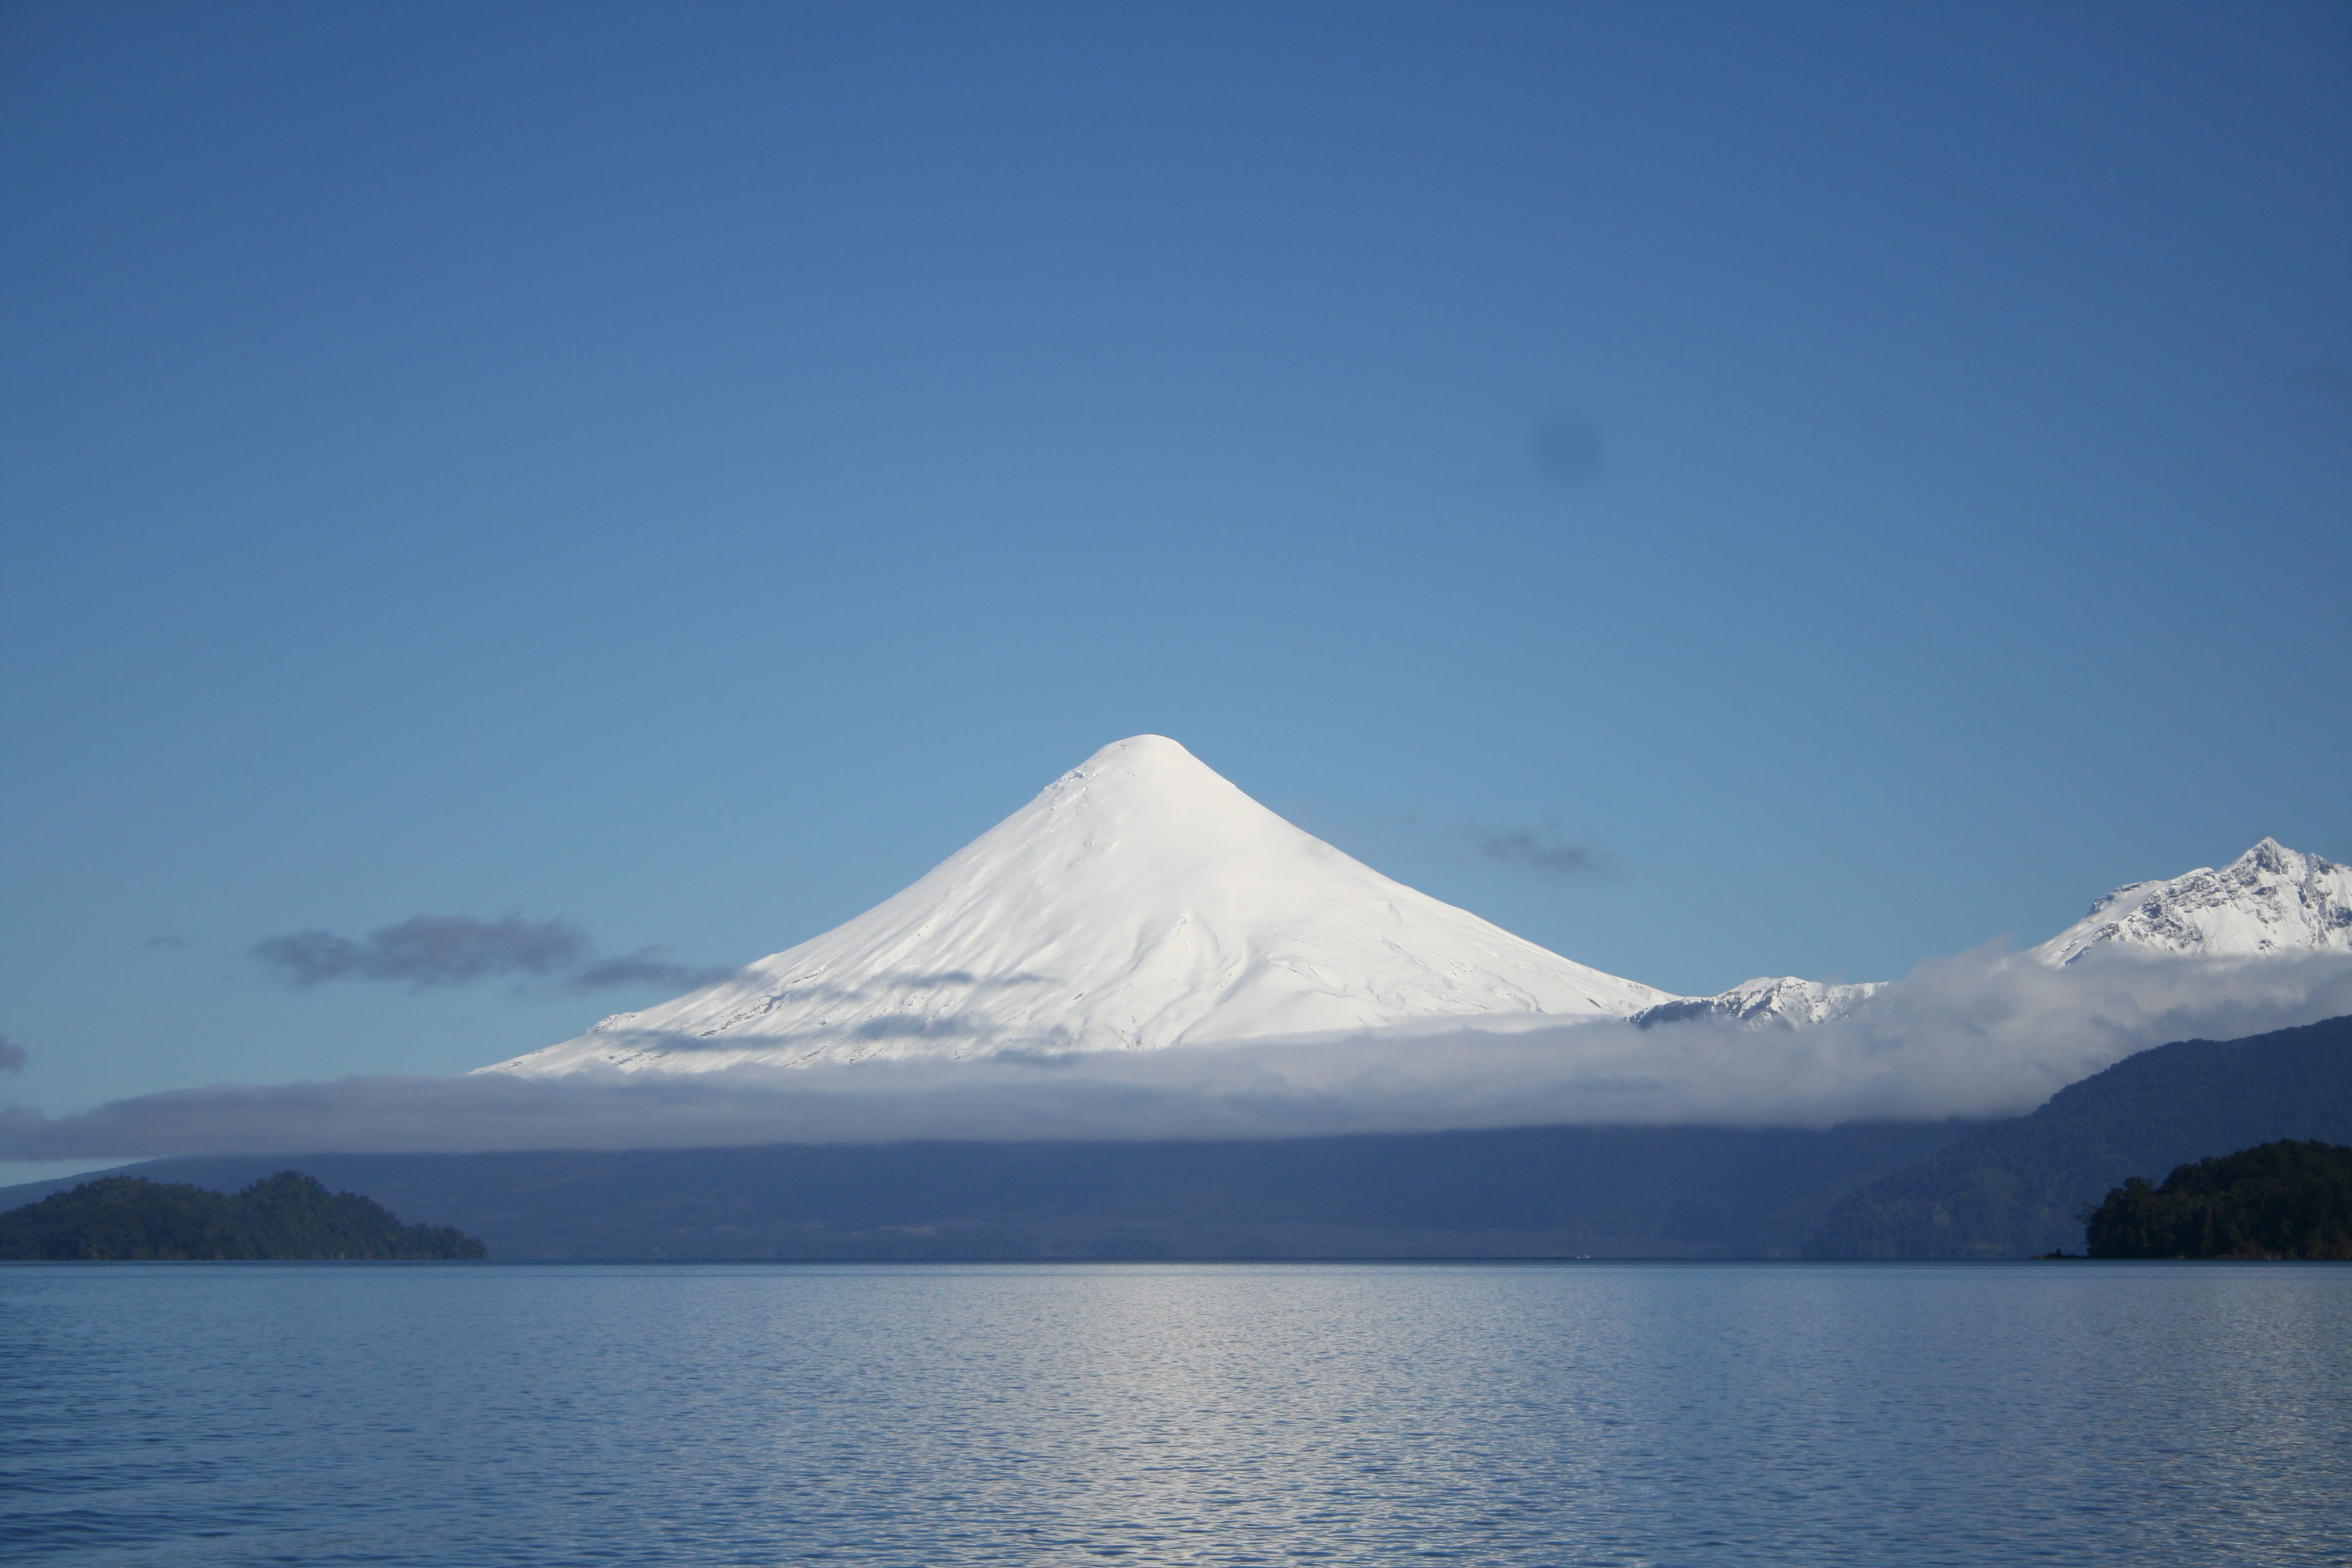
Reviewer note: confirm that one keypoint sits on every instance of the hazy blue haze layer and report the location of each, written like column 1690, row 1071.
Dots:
column 1590, row 1414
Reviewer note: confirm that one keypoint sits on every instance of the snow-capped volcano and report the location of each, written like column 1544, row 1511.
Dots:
column 2269, row 900
column 1142, row 901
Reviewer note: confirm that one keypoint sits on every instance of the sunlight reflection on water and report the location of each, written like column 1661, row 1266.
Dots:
column 1593, row 1414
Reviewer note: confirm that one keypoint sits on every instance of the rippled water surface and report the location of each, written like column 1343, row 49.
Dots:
column 1749, row 1413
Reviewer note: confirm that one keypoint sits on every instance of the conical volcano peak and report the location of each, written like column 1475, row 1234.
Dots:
column 1144, row 756
column 1155, row 806
column 1143, row 772
column 1140, row 901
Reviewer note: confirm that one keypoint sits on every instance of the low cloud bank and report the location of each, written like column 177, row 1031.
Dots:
column 427, row 951
column 1977, row 1036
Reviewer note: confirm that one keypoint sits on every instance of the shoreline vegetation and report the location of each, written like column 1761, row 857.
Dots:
column 287, row 1216
column 2279, row 1200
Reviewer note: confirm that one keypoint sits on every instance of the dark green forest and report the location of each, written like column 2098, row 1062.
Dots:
column 2282, row 1200
column 288, row 1216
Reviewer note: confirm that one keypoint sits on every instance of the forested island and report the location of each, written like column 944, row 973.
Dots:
column 2282, row 1200
column 288, row 1216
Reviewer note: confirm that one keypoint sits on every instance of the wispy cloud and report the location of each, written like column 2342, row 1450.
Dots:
column 429, row 950
column 963, row 978
column 12, row 1056
column 1549, row 859
column 915, row 1027
column 648, row 966
column 1980, row 1034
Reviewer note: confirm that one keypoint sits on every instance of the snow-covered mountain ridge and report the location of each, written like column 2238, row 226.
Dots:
column 1756, row 1004
column 1141, row 901
column 2269, row 900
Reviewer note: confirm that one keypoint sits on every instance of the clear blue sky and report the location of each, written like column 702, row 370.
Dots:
column 1874, row 476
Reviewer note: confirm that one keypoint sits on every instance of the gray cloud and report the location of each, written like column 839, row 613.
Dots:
column 1980, row 1034
column 646, row 966
column 169, row 943
column 915, row 1027
column 902, row 979
column 963, row 977
column 428, row 951
column 1558, row 862
column 12, row 1056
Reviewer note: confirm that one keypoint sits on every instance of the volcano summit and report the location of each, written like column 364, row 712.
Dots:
column 1141, row 901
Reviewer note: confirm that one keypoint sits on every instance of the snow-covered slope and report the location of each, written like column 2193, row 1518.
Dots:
column 1141, row 901
column 1784, row 1000
column 2269, row 900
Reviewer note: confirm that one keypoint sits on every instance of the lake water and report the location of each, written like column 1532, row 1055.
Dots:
column 1574, row 1414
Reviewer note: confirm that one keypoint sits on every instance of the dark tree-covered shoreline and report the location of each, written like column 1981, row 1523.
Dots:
column 289, row 1216
column 2282, row 1200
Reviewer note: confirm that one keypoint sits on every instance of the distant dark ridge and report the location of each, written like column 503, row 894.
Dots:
column 2009, row 1189
column 2282, row 1200
column 1552, row 1191
column 288, row 1216
column 2017, row 1189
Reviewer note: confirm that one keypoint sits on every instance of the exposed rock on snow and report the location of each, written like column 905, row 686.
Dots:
column 1142, row 901
column 2269, row 900
column 1786, row 1000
